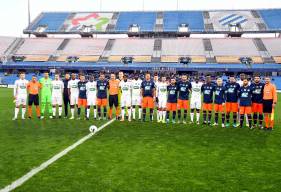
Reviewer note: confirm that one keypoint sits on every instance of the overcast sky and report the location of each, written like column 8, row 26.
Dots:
column 13, row 13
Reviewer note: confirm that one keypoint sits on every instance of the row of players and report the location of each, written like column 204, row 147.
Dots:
column 168, row 95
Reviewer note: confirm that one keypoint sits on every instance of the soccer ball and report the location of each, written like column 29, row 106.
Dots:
column 93, row 129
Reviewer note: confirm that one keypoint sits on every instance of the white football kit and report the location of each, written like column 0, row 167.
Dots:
column 162, row 94
column 126, row 93
column 57, row 90
column 195, row 100
column 91, row 88
column 20, row 91
column 74, row 91
column 136, row 92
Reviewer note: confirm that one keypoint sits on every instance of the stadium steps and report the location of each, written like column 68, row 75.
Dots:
column 156, row 56
column 107, row 50
column 261, row 26
column 208, row 25
column 56, row 55
column 53, row 58
column 14, row 47
column 210, row 58
column 111, row 26
column 263, row 51
column 63, row 44
column 255, row 14
column 206, row 15
column 159, row 22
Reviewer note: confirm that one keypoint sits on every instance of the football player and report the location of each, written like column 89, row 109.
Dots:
column 148, row 94
column 136, row 96
column 219, row 102
column 184, row 87
column 91, row 89
column 207, row 90
column 73, row 93
column 257, row 109
column 195, row 100
column 231, row 96
column 245, row 102
column 20, row 95
column 161, row 94
column 57, row 91
column 172, row 100
column 126, row 97
column 102, row 86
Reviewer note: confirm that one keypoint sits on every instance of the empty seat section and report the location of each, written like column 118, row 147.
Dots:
column 272, row 18
column 84, row 47
column 221, row 20
column 172, row 49
column 39, row 46
column 53, row 21
column 89, row 58
column 173, row 19
column 140, row 49
column 38, row 58
column 273, row 46
column 5, row 42
column 145, row 20
column 230, row 50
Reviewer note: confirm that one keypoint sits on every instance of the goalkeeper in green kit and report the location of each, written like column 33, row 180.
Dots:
column 46, row 95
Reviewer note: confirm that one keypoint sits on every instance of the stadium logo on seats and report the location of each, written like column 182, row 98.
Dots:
column 232, row 19
column 97, row 21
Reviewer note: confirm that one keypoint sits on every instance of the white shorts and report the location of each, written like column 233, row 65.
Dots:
column 126, row 102
column 21, row 100
column 162, row 102
column 195, row 103
column 136, row 101
column 91, row 100
column 73, row 99
column 56, row 99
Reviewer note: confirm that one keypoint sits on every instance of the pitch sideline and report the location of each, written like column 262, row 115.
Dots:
column 44, row 165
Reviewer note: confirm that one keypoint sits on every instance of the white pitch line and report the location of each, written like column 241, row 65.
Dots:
column 44, row 165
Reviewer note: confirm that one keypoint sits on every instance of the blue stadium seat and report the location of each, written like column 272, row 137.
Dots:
column 145, row 20
column 193, row 18
column 277, row 82
column 272, row 18
column 53, row 20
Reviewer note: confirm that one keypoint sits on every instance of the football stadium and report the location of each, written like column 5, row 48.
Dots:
column 142, row 100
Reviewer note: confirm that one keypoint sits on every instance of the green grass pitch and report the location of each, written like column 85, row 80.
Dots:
column 138, row 156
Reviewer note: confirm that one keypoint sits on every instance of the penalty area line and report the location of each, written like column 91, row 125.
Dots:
column 44, row 165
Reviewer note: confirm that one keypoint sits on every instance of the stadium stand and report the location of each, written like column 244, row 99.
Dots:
column 88, row 50
column 192, row 48
column 140, row 49
column 267, row 20
column 273, row 45
column 194, row 20
column 272, row 18
column 52, row 21
column 5, row 42
column 149, row 53
column 231, row 50
column 38, row 49
column 145, row 21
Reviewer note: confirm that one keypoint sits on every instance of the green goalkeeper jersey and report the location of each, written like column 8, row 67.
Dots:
column 46, row 86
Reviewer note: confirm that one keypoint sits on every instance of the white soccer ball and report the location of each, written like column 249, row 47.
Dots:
column 93, row 129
